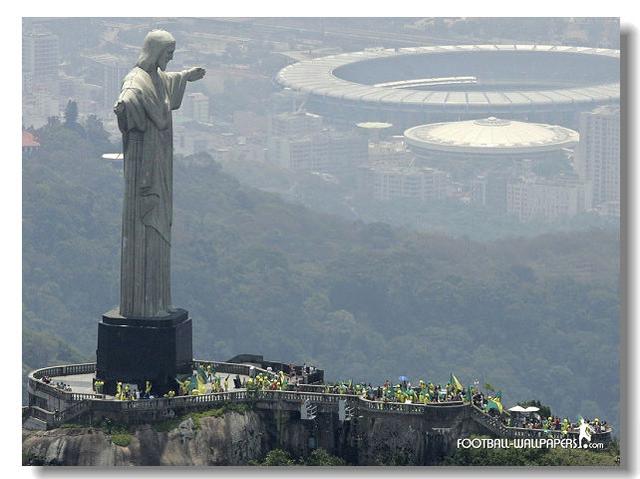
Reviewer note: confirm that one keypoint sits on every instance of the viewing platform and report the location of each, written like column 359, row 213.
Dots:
column 50, row 406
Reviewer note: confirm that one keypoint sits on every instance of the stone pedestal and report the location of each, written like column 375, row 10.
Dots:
column 134, row 350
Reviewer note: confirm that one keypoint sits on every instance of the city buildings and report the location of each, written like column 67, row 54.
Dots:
column 327, row 152
column 508, row 167
column 365, row 97
column 40, row 76
column 536, row 198
column 40, row 60
column 196, row 107
column 107, row 71
column 300, row 141
column 295, row 124
column 389, row 181
column 598, row 154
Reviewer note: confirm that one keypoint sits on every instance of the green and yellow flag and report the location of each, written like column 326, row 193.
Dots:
column 494, row 403
column 457, row 385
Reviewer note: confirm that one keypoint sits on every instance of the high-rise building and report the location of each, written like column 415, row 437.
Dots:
column 295, row 125
column 40, row 60
column 109, row 71
column 196, row 107
column 598, row 153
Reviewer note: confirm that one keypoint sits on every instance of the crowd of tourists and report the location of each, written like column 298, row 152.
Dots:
column 58, row 384
column 553, row 423
column 125, row 392
column 533, row 420
column 404, row 392
column 453, row 391
column 205, row 380
column 63, row 386
column 269, row 382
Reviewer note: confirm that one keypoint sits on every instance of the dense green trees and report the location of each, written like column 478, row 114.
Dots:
column 536, row 317
column 318, row 457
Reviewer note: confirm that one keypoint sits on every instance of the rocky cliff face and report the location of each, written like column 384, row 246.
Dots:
column 233, row 439
column 236, row 438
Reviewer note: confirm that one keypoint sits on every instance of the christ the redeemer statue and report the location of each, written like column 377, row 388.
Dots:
column 148, row 96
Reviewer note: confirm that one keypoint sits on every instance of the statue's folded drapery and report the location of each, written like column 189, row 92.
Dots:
column 145, row 123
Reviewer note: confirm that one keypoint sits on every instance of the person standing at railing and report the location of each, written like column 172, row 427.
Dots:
column 98, row 385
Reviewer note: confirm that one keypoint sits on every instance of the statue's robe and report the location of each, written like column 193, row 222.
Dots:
column 146, row 126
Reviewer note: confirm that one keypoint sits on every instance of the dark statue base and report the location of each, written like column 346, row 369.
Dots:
column 135, row 350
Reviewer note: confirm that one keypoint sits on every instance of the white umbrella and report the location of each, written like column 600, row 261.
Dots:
column 532, row 409
column 517, row 409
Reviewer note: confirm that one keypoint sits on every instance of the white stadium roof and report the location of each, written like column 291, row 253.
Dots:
column 490, row 136
column 317, row 77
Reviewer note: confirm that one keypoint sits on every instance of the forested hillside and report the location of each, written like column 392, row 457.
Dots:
column 537, row 317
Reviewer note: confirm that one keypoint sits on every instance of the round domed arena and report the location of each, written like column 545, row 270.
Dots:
column 413, row 86
column 487, row 142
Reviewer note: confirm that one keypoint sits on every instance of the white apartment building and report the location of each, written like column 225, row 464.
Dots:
column 295, row 125
column 389, row 182
column 328, row 152
column 40, row 60
column 598, row 153
column 196, row 107
column 536, row 198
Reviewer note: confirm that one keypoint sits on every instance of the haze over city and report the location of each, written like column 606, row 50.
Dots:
column 378, row 197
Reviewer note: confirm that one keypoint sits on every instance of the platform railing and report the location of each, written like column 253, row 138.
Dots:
column 35, row 383
column 82, row 402
column 407, row 408
column 276, row 396
column 65, row 370
column 495, row 425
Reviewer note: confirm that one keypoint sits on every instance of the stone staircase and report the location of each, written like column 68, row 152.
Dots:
column 492, row 424
column 34, row 417
column 34, row 424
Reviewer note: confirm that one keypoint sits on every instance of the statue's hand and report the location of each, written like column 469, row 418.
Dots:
column 195, row 73
column 118, row 108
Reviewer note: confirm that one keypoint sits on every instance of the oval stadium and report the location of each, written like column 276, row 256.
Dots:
column 413, row 86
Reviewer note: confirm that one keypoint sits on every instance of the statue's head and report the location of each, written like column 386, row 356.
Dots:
column 157, row 50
